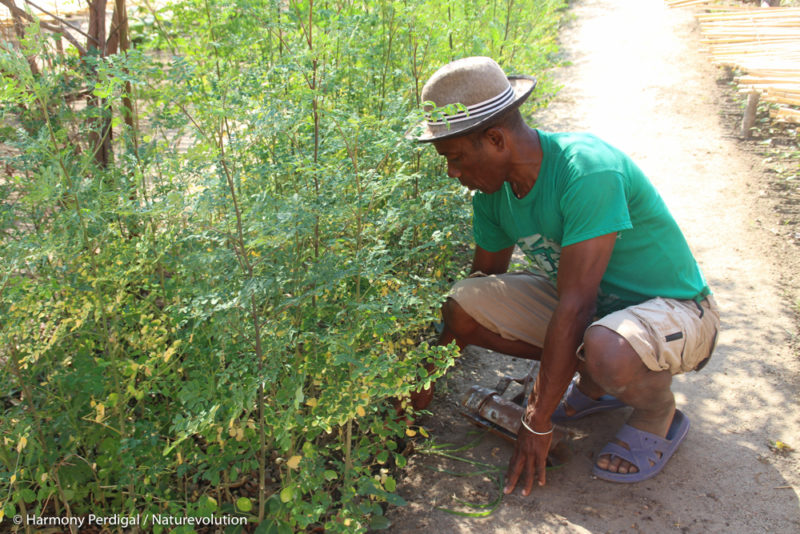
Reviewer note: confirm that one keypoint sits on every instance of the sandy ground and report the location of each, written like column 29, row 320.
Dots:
column 637, row 79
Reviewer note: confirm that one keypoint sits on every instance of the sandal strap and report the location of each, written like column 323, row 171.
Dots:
column 643, row 448
column 575, row 398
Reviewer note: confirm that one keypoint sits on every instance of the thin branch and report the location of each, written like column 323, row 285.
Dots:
column 49, row 27
column 160, row 27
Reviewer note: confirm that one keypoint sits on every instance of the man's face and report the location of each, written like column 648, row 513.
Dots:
column 473, row 162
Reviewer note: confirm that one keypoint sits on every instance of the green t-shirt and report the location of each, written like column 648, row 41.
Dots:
column 587, row 188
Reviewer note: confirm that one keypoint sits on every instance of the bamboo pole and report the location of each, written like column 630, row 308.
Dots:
column 753, row 13
column 787, row 114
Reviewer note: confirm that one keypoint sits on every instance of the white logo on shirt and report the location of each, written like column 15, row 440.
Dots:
column 544, row 253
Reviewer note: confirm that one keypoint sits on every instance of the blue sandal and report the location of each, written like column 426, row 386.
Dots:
column 648, row 452
column 582, row 405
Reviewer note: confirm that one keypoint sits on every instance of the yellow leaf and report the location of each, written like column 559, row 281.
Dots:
column 240, row 434
column 311, row 402
column 294, row 461
column 2, row 514
column 360, row 411
column 22, row 442
column 410, row 433
column 423, row 431
column 13, row 478
column 101, row 412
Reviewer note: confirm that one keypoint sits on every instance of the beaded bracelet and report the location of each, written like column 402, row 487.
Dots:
column 535, row 432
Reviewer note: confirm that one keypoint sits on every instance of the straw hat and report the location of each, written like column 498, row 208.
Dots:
column 479, row 84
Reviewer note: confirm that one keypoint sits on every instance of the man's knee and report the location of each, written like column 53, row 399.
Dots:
column 610, row 360
column 456, row 319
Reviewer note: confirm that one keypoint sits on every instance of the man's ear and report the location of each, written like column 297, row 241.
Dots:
column 496, row 137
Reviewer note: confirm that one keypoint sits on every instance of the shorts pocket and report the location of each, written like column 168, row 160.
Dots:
column 668, row 329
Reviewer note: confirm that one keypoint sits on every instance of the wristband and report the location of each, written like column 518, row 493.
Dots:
column 535, row 432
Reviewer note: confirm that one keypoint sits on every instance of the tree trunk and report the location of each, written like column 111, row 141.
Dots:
column 124, row 46
column 100, row 135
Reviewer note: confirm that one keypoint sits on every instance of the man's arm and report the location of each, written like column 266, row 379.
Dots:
column 491, row 262
column 580, row 271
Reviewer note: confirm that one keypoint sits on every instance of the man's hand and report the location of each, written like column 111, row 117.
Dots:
column 530, row 458
column 580, row 271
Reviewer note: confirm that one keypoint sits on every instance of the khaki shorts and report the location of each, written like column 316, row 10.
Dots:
column 668, row 334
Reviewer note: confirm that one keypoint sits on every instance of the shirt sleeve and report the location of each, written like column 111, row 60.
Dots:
column 486, row 229
column 594, row 205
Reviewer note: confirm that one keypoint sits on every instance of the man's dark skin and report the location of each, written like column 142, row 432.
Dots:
column 510, row 152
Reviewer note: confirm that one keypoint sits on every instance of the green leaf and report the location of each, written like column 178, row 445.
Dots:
column 206, row 505
column 379, row 522
column 287, row 494
column 102, row 92
column 244, row 504
column 10, row 510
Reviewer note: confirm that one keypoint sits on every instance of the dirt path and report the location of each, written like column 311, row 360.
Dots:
column 638, row 80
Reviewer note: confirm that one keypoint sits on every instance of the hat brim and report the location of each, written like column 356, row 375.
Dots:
column 522, row 86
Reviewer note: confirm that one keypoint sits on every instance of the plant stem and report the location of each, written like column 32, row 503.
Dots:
column 386, row 63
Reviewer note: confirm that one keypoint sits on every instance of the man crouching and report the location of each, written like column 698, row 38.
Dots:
column 615, row 293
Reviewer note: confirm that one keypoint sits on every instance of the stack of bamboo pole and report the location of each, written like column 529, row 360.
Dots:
column 762, row 43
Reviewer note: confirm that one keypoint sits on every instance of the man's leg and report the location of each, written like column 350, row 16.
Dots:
column 633, row 353
column 613, row 366
column 461, row 327
column 480, row 307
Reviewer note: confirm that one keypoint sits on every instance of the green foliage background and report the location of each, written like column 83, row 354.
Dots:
column 236, row 295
